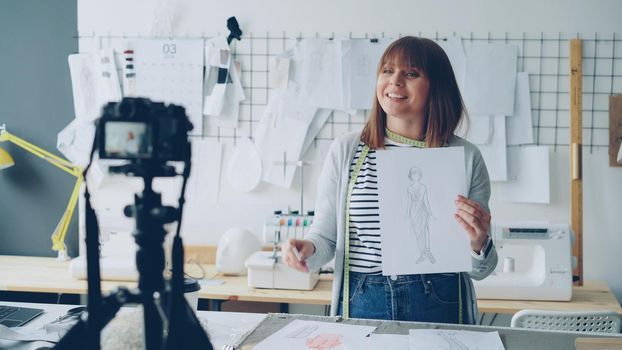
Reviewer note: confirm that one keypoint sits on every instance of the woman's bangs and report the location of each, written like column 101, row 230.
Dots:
column 404, row 54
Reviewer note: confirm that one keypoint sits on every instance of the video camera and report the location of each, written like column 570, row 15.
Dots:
column 147, row 134
column 139, row 129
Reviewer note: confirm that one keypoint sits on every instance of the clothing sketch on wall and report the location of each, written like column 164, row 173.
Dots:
column 420, row 213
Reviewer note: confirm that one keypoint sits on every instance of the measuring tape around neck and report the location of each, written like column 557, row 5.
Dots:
column 346, row 268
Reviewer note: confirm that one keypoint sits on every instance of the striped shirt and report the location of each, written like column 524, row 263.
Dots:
column 364, row 227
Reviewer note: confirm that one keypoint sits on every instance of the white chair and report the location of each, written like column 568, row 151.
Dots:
column 576, row 321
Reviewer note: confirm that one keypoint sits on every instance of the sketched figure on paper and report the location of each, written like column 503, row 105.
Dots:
column 419, row 213
column 453, row 343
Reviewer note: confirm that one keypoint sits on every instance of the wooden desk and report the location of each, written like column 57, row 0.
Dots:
column 48, row 275
column 593, row 295
column 36, row 274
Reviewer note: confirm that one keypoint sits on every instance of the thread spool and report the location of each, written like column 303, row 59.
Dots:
column 508, row 265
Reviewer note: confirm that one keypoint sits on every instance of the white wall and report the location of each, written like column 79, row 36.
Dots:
column 602, row 184
column 325, row 16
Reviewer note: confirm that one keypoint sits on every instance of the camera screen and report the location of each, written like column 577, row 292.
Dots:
column 127, row 140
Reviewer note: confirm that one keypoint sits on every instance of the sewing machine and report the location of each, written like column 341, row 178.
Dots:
column 267, row 270
column 535, row 262
column 117, row 249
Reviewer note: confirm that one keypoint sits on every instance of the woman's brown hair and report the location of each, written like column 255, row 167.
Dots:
column 444, row 106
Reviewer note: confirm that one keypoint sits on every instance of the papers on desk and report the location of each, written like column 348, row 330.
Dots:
column 427, row 339
column 301, row 334
column 378, row 342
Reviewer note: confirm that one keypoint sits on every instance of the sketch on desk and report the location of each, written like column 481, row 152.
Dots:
column 419, row 214
column 317, row 341
column 453, row 340
column 303, row 334
column 325, row 341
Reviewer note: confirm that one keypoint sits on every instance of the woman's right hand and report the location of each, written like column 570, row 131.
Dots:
column 295, row 253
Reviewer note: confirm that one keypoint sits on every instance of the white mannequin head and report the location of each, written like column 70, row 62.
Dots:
column 234, row 247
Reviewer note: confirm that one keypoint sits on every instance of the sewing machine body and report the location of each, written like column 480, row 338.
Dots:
column 266, row 270
column 535, row 262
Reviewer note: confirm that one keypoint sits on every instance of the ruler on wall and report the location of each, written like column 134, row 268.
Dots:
column 576, row 136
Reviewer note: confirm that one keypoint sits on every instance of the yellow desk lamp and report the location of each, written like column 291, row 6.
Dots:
column 58, row 237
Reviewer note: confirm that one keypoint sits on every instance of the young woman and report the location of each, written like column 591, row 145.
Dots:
column 417, row 104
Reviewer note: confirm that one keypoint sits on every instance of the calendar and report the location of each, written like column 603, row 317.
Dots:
column 171, row 71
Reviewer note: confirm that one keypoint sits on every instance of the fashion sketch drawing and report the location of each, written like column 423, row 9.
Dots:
column 419, row 213
column 453, row 343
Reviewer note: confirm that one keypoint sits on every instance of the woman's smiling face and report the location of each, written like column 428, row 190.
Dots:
column 402, row 91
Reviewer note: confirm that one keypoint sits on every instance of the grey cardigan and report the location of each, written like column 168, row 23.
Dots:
column 327, row 232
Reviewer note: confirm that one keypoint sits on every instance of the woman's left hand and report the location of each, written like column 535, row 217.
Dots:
column 474, row 219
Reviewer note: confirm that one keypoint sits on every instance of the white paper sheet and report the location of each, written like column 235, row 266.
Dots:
column 416, row 193
column 217, row 55
column 296, row 65
column 278, row 68
column 490, row 78
column 204, row 181
column 529, row 177
column 322, row 78
column 108, row 87
column 377, row 342
column 84, row 86
column 230, row 108
column 217, row 52
column 279, row 140
column 359, row 66
column 520, row 124
column 478, row 129
column 244, row 168
column 301, row 334
column 171, row 71
column 495, row 151
column 94, row 83
column 443, row 339
column 76, row 140
column 455, row 51
column 294, row 106
column 320, row 118
column 96, row 175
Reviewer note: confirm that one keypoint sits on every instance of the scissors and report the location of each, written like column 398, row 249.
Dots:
column 73, row 312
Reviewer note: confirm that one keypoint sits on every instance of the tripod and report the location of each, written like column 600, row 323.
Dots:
column 164, row 306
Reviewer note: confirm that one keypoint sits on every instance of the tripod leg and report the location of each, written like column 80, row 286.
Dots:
column 77, row 335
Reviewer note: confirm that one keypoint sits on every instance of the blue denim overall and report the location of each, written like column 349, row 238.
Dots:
column 422, row 298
